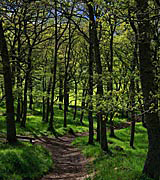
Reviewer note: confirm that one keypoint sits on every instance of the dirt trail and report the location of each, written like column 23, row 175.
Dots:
column 69, row 163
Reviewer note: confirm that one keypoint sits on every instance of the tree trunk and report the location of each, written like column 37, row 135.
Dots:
column 75, row 104
column 90, row 90
column 110, row 69
column 27, row 79
column 54, row 71
column 11, row 128
column 60, row 91
column 19, row 85
column 149, row 89
column 23, row 122
column 44, row 100
column 30, row 96
column 66, row 88
column 82, row 105
column 132, row 82
column 112, row 134
column 103, row 139
column 65, row 101
column 48, row 99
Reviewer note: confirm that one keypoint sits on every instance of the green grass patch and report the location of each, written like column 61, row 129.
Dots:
column 23, row 161
column 120, row 165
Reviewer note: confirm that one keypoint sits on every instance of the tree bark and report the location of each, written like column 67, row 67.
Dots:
column 54, row 71
column 149, row 89
column 75, row 101
column 132, row 82
column 27, row 79
column 66, row 88
column 60, row 90
column 11, row 128
column 82, row 105
column 48, row 100
column 90, row 90
column 44, row 99
column 103, row 135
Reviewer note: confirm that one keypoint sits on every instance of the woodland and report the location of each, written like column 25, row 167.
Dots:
column 80, row 77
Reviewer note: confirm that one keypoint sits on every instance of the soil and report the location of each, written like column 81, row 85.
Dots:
column 69, row 163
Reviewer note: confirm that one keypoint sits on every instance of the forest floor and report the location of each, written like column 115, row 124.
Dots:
column 69, row 163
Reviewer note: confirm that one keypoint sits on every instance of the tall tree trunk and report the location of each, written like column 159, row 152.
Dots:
column 103, row 137
column 27, row 77
column 60, row 90
column 110, row 69
column 19, row 79
column 30, row 96
column 54, row 71
column 19, row 84
column 90, row 90
column 66, row 88
column 48, row 100
column 149, row 88
column 132, row 83
column 23, row 122
column 11, row 128
column 75, row 101
column 82, row 105
column 65, row 100
column 44, row 99
column 132, row 99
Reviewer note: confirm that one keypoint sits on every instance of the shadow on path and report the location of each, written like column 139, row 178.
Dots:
column 69, row 163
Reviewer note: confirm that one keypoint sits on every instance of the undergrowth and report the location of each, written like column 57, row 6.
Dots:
column 23, row 161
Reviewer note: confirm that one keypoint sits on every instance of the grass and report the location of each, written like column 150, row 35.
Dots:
column 34, row 123
column 23, row 161
column 108, row 167
column 26, row 161
column 120, row 165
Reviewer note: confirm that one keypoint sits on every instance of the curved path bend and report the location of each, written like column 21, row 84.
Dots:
column 69, row 163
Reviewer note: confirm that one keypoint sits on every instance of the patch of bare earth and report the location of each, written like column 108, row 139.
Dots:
column 69, row 163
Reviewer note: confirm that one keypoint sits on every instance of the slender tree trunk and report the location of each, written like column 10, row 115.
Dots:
column 90, row 90
column 48, row 100
column 11, row 128
column 66, row 88
column 60, row 91
column 103, row 139
column 82, row 106
column 30, row 96
column 98, row 129
column 54, row 71
column 19, row 84
column 67, row 95
column 65, row 101
column 132, row 99
column 75, row 104
column 132, row 83
column 149, row 89
column 112, row 134
column 27, row 79
column 18, row 119
column 23, row 122
column 44, row 99
column 110, row 69
column 13, row 66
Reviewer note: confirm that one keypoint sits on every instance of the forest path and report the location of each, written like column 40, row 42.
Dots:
column 69, row 163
